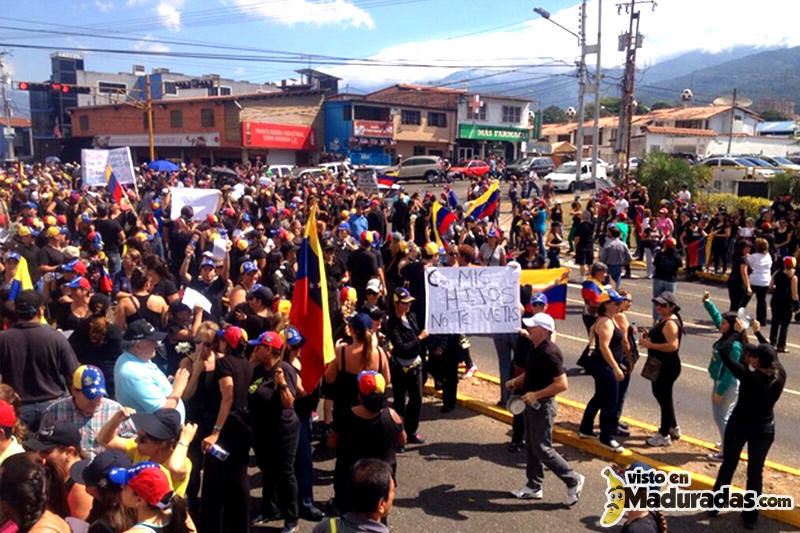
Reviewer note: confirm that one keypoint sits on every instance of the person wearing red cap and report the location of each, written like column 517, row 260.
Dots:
column 10, row 427
column 276, row 430
column 79, row 291
column 146, row 489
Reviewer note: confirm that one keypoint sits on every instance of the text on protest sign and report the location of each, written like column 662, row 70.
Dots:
column 94, row 162
column 472, row 300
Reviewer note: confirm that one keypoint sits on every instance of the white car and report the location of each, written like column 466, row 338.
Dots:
column 281, row 170
column 564, row 176
column 339, row 166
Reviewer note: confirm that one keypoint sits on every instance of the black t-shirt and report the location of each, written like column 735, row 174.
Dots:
column 667, row 262
column 165, row 288
column 49, row 256
column 527, row 264
column 240, row 370
column 264, row 401
column 362, row 266
column 645, row 524
column 214, row 292
column 543, row 364
column 585, row 232
column 109, row 229
column 31, row 255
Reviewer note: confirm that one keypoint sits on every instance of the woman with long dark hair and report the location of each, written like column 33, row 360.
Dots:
column 23, row 496
column 367, row 430
column 663, row 344
column 97, row 340
column 739, row 289
column 143, row 303
column 607, row 366
column 108, row 515
column 162, row 280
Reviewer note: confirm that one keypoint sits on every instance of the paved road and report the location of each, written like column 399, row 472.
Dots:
column 693, row 388
column 459, row 482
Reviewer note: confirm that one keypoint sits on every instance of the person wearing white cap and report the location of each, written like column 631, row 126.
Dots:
column 544, row 377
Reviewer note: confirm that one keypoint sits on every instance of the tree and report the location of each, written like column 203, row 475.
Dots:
column 663, row 176
column 609, row 107
column 772, row 115
column 660, row 105
column 553, row 115
column 641, row 109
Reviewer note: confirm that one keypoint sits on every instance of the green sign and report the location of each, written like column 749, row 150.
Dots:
column 491, row 133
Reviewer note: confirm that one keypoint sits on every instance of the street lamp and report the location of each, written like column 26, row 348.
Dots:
column 545, row 14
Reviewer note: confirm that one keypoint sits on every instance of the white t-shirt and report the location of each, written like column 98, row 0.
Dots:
column 685, row 196
column 761, row 265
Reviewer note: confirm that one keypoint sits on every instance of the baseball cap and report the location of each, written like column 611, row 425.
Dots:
column 79, row 283
column 13, row 256
column 161, row 424
column 52, row 231
column 71, row 253
column 371, row 382
column 76, row 265
column 361, row 322
column 430, row 249
column 61, row 433
column 262, row 293
column 613, row 296
column 789, row 262
column 24, row 231
column 344, row 226
column 665, row 297
column 669, row 242
column 248, row 267
column 374, row 312
column 233, row 336
column 539, row 298
column 766, row 354
column 374, row 285
column 90, row 380
column 268, row 338
column 542, row 320
column 148, row 481
column 401, row 294
column 8, row 417
column 348, row 294
column 293, row 337
column 207, row 263
column 94, row 472
column 141, row 329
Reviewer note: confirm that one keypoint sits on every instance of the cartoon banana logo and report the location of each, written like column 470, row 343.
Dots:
column 615, row 506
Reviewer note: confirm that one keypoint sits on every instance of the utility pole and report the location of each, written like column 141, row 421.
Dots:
column 628, row 43
column 597, row 80
column 8, row 131
column 581, row 91
column 733, row 113
column 148, row 106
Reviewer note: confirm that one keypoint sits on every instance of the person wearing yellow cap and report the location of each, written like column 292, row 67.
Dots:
column 369, row 429
column 26, row 248
column 50, row 257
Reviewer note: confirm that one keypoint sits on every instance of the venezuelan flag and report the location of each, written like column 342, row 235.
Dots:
column 114, row 188
column 441, row 220
column 21, row 281
column 553, row 284
column 310, row 313
column 699, row 252
column 592, row 291
column 386, row 180
column 486, row 204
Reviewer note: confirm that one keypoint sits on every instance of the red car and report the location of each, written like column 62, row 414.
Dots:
column 472, row 168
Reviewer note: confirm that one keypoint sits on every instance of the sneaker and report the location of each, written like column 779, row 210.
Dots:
column 574, row 493
column 527, row 493
column 659, row 440
column 675, row 432
column 615, row 446
column 716, row 456
column 584, row 435
column 470, row 372
column 623, row 425
column 621, row 432
column 416, row 438
column 514, row 447
column 446, row 408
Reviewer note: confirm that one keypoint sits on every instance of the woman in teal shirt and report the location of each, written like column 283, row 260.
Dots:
column 726, row 386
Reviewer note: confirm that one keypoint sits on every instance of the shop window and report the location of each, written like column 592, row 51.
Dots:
column 410, row 117
column 176, row 118
column 512, row 114
column 83, row 122
column 438, row 120
column 207, row 118
column 419, row 150
column 371, row 113
column 479, row 114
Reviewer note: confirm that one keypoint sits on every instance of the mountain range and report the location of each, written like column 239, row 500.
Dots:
column 754, row 72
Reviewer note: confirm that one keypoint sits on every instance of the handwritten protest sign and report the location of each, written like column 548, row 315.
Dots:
column 204, row 202
column 94, row 162
column 472, row 300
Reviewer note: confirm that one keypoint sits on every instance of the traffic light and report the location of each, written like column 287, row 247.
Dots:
column 23, row 86
column 54, row 87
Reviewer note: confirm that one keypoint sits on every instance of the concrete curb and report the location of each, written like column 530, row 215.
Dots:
column 785, row 469
column 593, row 447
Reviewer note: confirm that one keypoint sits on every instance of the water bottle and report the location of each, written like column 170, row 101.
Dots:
column 219, row 452
column 635, row 332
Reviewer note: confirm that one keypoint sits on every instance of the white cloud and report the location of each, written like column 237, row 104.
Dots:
column 292, row 12
column 674, row 27
column 169, row 15
column 147, row 45
column 239, row 71
column 103, row 6
column 134, row 3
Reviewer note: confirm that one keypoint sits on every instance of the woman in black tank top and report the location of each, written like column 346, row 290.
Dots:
column 607, row 367
column 141, row 304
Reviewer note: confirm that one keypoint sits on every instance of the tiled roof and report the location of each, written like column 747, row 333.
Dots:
column 681, row 131
column 16, row 122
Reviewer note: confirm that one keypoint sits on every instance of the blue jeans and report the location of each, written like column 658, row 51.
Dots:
column 31, row 413
column 722, row 410
column 615, row 273
column 504, row 344
column 304, row 469
column 659, row 286
column 114, row 264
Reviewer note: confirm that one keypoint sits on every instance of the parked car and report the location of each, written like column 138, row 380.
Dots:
column 310, row 173
column 781, row 163
column 337, row 166
column 542, row 165
column 736, row 168
column 425, row 167
column 564, row 176
column 282, row 171
column 474, row 168
column 633, row 164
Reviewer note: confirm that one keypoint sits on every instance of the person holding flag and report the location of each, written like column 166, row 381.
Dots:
column 487, row 205
column 441, row 220
column 16, row 275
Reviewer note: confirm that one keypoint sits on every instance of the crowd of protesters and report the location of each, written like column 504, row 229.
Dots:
column 132, row 410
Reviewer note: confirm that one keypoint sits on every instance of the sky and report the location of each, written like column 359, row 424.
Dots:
column 438, row 36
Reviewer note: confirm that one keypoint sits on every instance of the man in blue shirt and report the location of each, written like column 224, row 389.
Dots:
column 139, row 382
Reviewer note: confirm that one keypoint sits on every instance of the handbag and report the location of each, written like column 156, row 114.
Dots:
column 651, row 368
column 583, row 360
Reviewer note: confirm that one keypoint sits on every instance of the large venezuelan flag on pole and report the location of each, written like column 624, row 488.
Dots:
column 552, row 282
column 21, row 281
column 310, row 313
column 441, row 220
column 485, row 205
